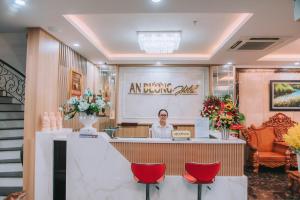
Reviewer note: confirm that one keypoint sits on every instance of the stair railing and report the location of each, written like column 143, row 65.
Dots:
column 12, row 81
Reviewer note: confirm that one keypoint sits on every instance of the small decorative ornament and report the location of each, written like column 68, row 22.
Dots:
column 45, row 122
column 58, row 121
column 52, row 121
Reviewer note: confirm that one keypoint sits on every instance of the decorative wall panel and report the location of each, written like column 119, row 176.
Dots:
column 145, row 90
column 174, row 155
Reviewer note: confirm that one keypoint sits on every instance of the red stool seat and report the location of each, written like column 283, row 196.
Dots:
column 197, row 173
column 148, row 174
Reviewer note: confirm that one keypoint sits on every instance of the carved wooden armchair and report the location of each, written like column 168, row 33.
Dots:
column 266, row 143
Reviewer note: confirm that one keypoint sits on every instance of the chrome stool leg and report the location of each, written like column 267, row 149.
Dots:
column 147, row 192
column 199, row 191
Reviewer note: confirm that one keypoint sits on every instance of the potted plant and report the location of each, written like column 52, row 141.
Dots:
column 292, row 138
column 89, row 107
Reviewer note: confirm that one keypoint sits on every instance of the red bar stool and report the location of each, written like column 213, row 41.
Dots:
column 199, row 174
column 148, row 174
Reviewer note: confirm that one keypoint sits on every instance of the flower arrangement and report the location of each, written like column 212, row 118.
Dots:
column 89, row 104
column 292, row 138
column 223, row 112
column 211, row 107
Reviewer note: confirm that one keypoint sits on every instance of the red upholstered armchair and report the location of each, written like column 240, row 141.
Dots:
column 266, row 144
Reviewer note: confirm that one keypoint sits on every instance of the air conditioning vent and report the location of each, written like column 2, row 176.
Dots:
column 236, row 44
column 264, row 38
column 256, row 43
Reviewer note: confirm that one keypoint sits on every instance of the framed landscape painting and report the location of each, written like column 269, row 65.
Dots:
column 285, row 95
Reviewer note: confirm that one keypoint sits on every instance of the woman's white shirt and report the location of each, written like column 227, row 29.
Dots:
column 159, row 131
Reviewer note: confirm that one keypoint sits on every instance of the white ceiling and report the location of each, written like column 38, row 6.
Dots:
column 117, row 32
column 107, row 29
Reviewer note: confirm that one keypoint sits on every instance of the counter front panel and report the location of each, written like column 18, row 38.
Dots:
column 174, row 155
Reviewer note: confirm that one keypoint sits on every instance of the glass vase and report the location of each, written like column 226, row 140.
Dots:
column 225, row 133
column 298, row 161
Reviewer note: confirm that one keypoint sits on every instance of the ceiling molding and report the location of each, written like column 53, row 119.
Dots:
column 88, row 33
column 281, row 57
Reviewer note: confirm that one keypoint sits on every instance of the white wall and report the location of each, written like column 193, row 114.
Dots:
column 254, row 94
column 141, row 108
column 13, row 49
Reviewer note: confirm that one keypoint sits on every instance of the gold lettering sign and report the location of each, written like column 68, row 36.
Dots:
column 181, row 134
column 160, row 88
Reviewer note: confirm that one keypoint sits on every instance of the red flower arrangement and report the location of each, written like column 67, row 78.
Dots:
column 211, row 107
column 223, row 113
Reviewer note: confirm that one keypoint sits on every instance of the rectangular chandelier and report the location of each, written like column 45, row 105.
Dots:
column 159, row 42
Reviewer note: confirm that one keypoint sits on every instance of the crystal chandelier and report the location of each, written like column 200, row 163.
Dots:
column 159, row 42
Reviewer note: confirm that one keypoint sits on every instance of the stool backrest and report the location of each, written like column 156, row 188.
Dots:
column 148, row 173
column 204, row 173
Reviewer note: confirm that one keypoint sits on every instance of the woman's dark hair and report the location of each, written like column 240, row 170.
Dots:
column 161, row 111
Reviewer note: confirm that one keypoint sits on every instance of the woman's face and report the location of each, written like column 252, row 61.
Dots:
column 163, row 116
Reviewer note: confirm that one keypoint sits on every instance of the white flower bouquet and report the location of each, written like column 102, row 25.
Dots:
column 89, row 104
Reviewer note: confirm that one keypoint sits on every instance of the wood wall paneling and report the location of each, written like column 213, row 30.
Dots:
column 143, row 130
column 40, row 94
column 174, row 155
column 47, row 87
column 69, row 60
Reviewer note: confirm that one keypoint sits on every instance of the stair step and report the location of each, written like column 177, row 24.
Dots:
column 10, row 161
column 12, row 138
column 11, row 149
column 11, row 133
column 12, row 128
column 11, row 182
column 5, row 155
column 12, row 124
column 11, row 107
column 11, row 175
column 11, row 114
column 4, row 120
column 11, row 167
column 11, row 143
column 4, row 99
column 4, row 191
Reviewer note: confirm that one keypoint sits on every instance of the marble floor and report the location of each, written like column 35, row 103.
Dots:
column 269, row 184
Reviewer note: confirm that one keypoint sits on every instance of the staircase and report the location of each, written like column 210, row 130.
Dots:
column 12, row 86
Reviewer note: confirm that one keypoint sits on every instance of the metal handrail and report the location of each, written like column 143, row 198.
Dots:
column 12, row 81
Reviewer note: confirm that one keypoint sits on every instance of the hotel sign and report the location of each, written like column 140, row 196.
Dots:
column 161, row 88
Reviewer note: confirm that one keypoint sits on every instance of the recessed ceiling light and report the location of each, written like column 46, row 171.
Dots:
column 155, row 1
column 76, row 45
column 296, row 63
column 229, row 63
column 158, row 63
column 20, row 2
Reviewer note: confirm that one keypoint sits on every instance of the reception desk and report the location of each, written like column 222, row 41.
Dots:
column 99, row 168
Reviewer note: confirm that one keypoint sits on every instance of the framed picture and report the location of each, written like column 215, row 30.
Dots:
column 285, row 95
column 75, row 83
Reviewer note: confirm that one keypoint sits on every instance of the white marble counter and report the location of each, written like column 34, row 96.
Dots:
column 97, row 171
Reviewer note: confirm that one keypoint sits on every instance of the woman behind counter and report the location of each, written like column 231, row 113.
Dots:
column 162, row 129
